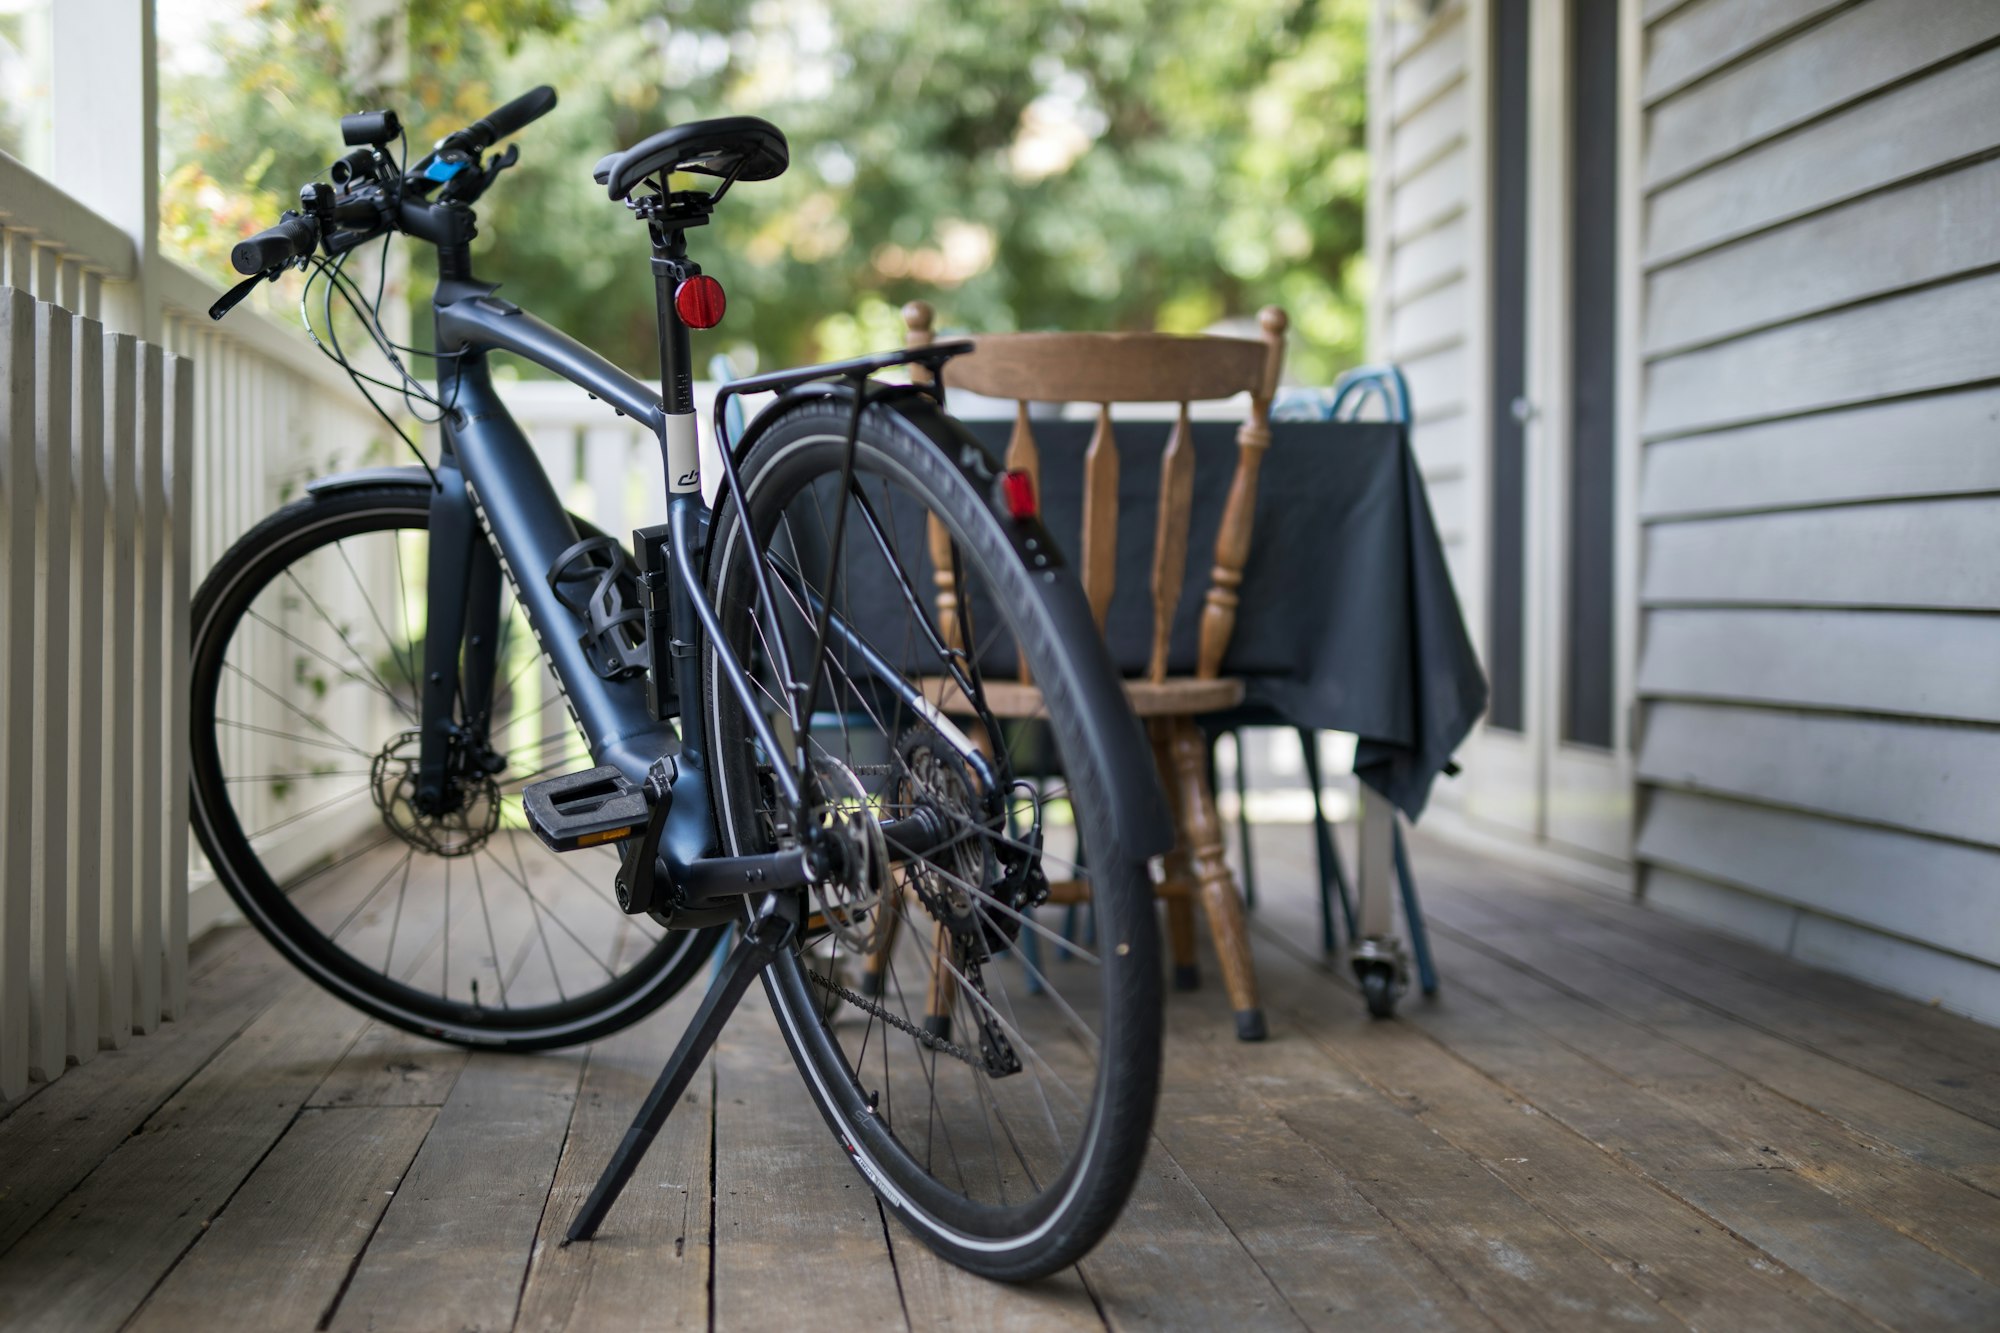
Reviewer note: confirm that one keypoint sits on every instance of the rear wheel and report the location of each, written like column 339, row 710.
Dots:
column 990, row 1075
column 308, row 640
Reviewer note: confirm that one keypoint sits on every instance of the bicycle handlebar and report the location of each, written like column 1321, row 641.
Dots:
column 496, row 125
column 369, row 203
column 293, row 238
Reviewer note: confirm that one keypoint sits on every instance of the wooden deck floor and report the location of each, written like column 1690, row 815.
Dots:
column 1608, row 1119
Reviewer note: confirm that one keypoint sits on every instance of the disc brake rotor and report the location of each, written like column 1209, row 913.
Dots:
column 852, row 904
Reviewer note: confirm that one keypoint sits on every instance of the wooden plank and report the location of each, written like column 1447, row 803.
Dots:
column 1920, row 1025
column 649, row 1264
column 1948, row 893
column 1843, row 1251
column 1858, row 51
column 1172, row 1263
column 1859, row 1040
column 454, row 1245
column 938, row 1295
column 51, row 882
column 1514, row 1262
column 1427, row 135
column 1418, row 264
column 279, row 1252
column 1429, row 70
column 92, row 1260
column 1432, row 321
column 1936, row 445
column 1430, row 197
column 786, row 1199
column 1882, row 243
column 1921, row 776
column 1704, row 37
column 1698, row 1272
column 1912, row 663
column 17, row 679
column 86, row 847
column 1938, row 338
column 1597, row 1009
column 390, row 1067
column 1336, row 1259
column 1937, row 554
column 1904, row 133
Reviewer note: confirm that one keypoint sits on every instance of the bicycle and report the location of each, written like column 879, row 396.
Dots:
column 785, row 734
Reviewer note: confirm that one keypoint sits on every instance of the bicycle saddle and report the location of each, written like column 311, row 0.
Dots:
column 745, row 147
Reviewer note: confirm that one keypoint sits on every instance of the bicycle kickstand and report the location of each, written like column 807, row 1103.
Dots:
column 753, row 953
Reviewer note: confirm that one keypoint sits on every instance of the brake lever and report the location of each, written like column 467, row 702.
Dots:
column 234, row 296
column 491, row 171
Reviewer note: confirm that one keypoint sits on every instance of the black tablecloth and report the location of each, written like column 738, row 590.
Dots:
column 1348, row 620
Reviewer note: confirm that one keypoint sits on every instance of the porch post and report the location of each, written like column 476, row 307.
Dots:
column 105, row 112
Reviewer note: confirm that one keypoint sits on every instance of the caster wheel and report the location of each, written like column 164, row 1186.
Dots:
column 1379, row 989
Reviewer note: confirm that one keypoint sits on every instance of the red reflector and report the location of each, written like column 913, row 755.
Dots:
column 699, row 302
column 1019, row 488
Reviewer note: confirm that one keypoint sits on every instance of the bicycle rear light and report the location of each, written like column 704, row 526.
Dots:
column 1018, row 489
column 699, row 302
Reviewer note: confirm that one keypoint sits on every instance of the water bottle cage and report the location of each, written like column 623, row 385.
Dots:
column 597, row 581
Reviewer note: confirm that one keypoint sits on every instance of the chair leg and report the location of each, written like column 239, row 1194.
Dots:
column 1243, row 824
column 1413, row 912
column 1180, row 930
column 1177, row 880
column 944, row 986
column 1202, row 832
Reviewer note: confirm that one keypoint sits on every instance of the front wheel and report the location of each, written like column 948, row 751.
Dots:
column 454, row 923
column 991, row 1076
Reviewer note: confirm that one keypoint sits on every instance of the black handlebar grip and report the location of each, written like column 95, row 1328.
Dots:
column 370, row 129
column 289, row 240
column 523, row 110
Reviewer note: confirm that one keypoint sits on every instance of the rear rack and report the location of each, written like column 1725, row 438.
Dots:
column 854, row 371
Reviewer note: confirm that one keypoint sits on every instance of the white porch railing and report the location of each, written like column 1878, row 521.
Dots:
column 126, row 467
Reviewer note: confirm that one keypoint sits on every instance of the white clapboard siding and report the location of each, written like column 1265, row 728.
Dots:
column 1944, row 226
column 1852, row 54
column 1918, row 664
column 1899, row 135
column 1706, row 35
column 1422, row 263
column 1854, row 872
column 1946, row 444
column 1820, row 487
column 1931, row 339
column 1943, row 554
column 1937, row 778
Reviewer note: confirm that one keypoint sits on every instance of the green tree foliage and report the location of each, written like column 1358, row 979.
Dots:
column 1037, row 164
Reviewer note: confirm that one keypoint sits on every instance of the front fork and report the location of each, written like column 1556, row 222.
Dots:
column 461, row 633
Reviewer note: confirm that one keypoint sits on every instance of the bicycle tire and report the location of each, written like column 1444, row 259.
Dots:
column 238, row 593
column 1076, row 1185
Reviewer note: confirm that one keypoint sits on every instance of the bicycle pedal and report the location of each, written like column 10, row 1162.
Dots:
column 585, row 809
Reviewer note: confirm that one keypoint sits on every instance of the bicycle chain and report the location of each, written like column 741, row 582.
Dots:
column 926, row 1039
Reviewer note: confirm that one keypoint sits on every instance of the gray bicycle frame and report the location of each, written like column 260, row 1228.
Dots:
column 491, row 478
column 527, row 520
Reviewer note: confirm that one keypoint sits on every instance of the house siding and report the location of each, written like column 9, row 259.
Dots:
column 1819, row 670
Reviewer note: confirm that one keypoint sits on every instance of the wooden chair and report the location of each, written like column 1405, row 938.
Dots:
column 1107, row 368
